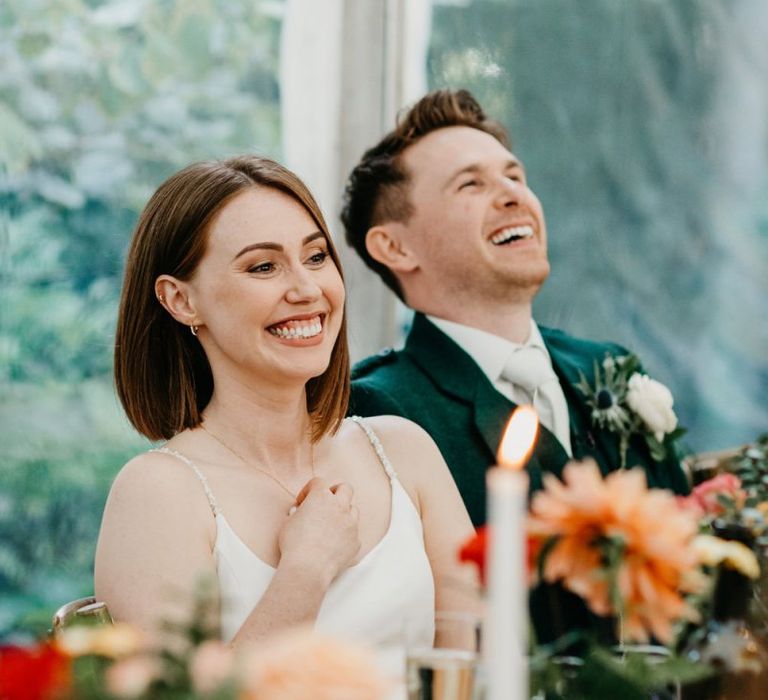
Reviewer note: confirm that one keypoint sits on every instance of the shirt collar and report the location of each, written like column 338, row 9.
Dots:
column 490, row 352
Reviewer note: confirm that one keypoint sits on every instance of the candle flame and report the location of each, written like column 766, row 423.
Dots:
column 519, row 438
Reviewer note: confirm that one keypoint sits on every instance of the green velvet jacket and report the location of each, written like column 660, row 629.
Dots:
column 434, row 383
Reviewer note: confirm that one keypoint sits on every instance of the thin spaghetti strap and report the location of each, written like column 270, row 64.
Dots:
column 211, row 499
column 378, row 448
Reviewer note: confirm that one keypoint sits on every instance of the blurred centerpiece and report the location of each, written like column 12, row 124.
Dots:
column 677, row 581
column 106, row 662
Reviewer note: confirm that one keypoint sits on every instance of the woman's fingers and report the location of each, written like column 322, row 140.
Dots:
column 343, row 492
column 323, row 527
column 316, row 483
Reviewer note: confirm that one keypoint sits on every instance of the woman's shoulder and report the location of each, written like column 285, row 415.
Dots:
column 408, row 446
column 392, row 428
column 157, row 476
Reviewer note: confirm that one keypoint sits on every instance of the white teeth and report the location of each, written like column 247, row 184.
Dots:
column 512, row 232
column 298, row 329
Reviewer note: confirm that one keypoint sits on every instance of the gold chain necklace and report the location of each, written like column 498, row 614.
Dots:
column 266, row 472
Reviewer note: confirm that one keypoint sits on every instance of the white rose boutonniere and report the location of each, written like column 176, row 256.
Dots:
column 652, row 401
column 627, row 402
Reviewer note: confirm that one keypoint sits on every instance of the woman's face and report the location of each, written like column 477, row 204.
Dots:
column 269, row 297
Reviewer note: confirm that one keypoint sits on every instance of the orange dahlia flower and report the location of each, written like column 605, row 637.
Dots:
column 585, row 512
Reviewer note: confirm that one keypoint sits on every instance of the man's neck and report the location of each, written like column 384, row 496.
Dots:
column 511, row 322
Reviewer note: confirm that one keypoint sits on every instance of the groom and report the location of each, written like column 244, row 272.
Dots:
column 441, row 210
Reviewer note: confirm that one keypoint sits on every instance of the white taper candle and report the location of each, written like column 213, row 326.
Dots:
column 506, row 629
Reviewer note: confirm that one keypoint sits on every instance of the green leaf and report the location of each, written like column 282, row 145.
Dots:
column 602, row 676
column 676, row 434
column 630, row 365
column 658, row 449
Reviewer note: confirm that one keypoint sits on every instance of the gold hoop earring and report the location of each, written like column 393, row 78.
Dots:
column 193, row 330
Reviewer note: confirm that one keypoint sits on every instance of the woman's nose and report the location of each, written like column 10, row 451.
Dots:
column 302, row 288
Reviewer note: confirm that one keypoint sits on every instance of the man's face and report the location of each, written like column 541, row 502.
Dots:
column 477, row 230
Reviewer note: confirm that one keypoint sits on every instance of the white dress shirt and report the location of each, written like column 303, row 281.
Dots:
column 492, row 352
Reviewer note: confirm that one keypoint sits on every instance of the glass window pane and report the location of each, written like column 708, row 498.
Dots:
column 100, row 100
column 643, row 129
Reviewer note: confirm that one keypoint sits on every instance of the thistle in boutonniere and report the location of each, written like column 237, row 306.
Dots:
column 626, row 402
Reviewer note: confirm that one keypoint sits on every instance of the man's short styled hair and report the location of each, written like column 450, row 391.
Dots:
column 377, row 189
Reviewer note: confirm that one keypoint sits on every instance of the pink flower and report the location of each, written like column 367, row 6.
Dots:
column 301, row 664
column 704, row 497
column 211, row 666
column 131, row 676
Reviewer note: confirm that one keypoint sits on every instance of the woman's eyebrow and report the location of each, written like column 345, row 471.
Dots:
column 269, row 245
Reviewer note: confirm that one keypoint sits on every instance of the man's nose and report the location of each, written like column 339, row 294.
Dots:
column 302, row 287
column 508, row 193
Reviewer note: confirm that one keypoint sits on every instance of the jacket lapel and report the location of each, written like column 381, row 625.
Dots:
column 449, row 367
column 586, row 440
column 457, row 374
column 491, row 413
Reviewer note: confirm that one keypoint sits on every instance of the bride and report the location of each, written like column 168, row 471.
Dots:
column 231, row 347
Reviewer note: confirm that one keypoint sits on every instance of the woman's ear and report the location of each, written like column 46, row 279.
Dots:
column 387, row 244
column 173, row 294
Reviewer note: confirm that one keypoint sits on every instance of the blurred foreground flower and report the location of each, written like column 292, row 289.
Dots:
column 712, row 497
column 211, row 666
column 302, row 664
column 112, row 641
column 625, row 549
column 713, row 551
column 475, row 551
column 33, row 674
column 131, row 677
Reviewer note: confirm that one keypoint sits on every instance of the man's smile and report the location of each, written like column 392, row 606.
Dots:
column 512, row 233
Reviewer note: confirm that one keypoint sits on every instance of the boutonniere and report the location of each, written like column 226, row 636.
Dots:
column 626, row 402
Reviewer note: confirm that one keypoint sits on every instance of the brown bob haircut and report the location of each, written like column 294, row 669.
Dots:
column 162, row 375
column 377, row 189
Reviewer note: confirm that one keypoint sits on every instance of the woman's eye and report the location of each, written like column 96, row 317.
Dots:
column 318, row 258
column 262, row 268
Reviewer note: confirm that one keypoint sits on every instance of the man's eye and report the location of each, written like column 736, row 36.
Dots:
column 468, row 183
column 262, row 268
column 318, row 258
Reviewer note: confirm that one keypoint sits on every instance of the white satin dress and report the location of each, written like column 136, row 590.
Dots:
column 386, row 601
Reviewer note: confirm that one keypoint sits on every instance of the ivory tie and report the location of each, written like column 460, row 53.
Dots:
column 529, row 370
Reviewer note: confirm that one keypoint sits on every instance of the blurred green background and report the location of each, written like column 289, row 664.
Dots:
column 99, row 102
column 643, row 125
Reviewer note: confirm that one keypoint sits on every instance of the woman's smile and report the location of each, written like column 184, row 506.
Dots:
column 301, row 330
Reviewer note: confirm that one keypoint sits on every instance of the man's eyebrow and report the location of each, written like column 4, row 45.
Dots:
column 269, row 245
column 510, row 164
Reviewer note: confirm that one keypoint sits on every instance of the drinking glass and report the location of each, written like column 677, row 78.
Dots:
column 450, row 668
